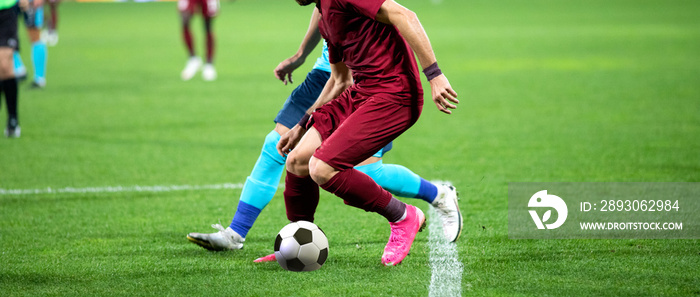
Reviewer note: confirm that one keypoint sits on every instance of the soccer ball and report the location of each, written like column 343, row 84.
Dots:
column 301, row 246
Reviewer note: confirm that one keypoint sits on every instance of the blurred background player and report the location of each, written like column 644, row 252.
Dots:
column 209, row 9
column 261, row 185
column 51, row 33
column 8, row 43
column 34, row 21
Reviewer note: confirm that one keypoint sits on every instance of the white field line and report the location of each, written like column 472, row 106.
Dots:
column 120, row 189
column 446, row 278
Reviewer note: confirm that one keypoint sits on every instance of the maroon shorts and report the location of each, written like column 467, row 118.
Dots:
column 354, row 126
column 209, row 8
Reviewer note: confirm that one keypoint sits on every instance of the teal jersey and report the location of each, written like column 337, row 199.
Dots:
column 5, row 4
column 322, row 61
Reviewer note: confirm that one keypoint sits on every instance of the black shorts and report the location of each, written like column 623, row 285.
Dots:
column 8, row 28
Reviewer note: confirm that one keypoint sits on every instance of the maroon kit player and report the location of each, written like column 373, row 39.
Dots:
column 209, row 9
column 374, row 94
column 51, row 34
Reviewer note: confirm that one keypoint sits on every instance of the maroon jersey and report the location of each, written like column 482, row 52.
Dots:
column 380, row 58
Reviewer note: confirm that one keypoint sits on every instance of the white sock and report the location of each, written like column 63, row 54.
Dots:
column 405, row 213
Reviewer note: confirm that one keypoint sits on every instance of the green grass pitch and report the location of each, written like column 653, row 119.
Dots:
column 551, row 91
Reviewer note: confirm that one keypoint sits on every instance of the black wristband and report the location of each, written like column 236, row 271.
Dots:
column 432, row 71
column 304, row 120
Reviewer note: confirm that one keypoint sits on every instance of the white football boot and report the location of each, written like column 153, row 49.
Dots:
column 191, row 68
column 13, row 133
column 52, row 39
column 209, row 72
column 448, row 210
column 13, row 130
column 49, row 36
column 225, row 239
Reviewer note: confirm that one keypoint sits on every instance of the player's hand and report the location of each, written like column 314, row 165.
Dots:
column 289, row 140
column 284, row 70
column 443, row 94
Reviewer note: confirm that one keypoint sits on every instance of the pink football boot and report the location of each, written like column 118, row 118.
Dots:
column 402, row 235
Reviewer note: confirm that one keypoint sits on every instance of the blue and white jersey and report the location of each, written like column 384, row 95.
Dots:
column 322, row 61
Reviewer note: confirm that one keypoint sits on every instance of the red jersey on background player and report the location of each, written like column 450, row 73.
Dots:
column 209, row 9
column 374, row 94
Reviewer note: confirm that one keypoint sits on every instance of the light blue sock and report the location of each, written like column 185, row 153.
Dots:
column 19, row 65
column 263, row 181
column 39, row 59
column 261, row 185
column 398, row 180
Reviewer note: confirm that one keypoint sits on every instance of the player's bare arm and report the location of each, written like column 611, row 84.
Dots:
column 407, row 23
column 284, row 70
column 340, row 79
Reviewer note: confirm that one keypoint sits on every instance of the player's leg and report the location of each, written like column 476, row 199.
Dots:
column 397, row 179
column 371, row 126
column 208, row 71
column 186, row 9
column 259, row 188
column 52, row 24
column 359, row 190
column 210, row 8
column 8, row 83
column 261, row 185
column 365, row 131
column 301, row 193
column 8, row 87
column 186, row 17
column 34, row 20
column 402, row 182
column 20, row 69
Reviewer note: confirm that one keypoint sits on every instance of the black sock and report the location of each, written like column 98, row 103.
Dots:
column 394, row 211
column 9, row 87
